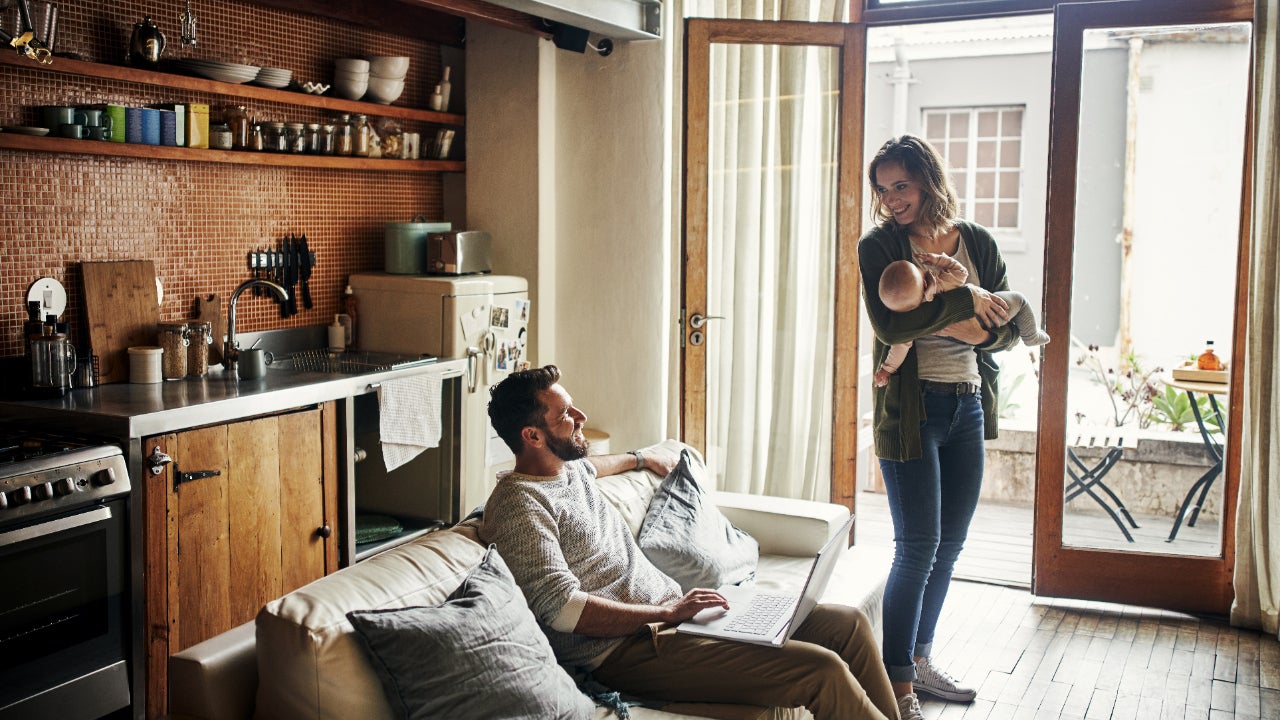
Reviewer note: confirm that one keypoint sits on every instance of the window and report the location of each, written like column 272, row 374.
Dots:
column 983, row 149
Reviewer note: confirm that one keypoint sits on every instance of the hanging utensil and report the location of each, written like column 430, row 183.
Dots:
column 188, row 21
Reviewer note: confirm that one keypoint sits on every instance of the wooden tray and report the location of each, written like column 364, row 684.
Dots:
column 1197, row 375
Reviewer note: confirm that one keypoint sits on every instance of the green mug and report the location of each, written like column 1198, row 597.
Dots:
column 116, row 114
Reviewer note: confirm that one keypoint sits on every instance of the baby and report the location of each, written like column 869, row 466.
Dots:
column 904, row 285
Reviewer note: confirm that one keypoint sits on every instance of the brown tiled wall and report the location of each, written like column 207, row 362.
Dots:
column 197, row 221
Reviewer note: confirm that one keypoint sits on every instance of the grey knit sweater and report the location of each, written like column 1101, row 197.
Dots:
column 563, row 541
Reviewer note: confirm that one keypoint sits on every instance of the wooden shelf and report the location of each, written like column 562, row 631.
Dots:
column 231, row 90
column 14, row 141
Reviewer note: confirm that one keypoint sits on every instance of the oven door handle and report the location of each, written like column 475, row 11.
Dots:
column 95, row 515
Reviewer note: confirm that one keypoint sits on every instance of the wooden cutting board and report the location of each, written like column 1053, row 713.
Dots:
column 121, row 308
column 209, row 309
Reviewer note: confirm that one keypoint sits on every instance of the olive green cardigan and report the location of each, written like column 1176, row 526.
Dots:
column 899, row 406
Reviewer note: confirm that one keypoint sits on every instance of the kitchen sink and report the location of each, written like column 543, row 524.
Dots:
column 347, row 362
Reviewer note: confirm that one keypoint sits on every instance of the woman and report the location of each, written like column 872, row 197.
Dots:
column 932, row 417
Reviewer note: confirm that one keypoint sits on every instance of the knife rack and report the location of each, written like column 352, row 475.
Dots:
column 271, row 259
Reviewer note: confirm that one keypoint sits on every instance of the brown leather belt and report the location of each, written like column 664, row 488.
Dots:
column 950, row 388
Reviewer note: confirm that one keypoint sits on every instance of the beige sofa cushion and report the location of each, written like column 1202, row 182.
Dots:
column 310, row 664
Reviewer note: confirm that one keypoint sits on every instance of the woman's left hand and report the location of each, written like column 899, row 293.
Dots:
column 990, row 309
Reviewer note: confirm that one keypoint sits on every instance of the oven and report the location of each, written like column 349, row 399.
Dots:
column 64, row 555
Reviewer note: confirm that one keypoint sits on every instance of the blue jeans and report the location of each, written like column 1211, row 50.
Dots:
column 931, row 500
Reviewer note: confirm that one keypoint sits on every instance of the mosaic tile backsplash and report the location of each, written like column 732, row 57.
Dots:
column 197, row 221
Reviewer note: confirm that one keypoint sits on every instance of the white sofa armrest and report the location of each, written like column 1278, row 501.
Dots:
column 216, row 679
column 783, row 526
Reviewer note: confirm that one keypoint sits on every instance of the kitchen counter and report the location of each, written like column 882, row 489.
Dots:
column 127, row 410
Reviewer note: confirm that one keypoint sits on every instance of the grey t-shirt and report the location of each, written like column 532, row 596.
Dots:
column 943, row 359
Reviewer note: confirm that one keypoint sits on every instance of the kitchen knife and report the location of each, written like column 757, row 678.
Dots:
column 286, row 278
column 306, row 273
column 294, row 245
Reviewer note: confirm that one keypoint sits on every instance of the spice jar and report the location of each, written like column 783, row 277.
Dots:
column 237, row 117
column 343, row 141
column 313, row 138
column 199, row 337
column 326, row 139
column 256, row 141
column 276, row 139
column 295, row 137
column 173, row 340
column 220, row 136
column 360, row 132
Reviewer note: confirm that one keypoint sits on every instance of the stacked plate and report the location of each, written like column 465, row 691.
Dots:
column 222, row 71
column 273, row 77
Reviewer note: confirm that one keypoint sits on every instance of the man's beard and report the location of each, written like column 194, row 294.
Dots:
column 572, row 448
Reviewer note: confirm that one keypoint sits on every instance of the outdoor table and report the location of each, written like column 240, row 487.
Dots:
column 1085, row 479
column 1212, row 446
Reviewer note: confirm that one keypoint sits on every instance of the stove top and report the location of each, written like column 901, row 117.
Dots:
column 47, row 472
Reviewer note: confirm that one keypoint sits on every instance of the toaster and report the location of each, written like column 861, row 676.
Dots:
column 458, row 253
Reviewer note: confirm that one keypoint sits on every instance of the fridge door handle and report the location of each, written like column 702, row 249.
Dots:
column 473, row 367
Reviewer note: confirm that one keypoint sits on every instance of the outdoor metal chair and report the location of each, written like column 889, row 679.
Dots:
column 1088, row 479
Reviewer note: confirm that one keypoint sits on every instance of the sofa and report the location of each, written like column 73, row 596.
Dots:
column 300, row 658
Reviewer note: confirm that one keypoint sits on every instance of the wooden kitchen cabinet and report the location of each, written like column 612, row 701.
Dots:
column 244, row 513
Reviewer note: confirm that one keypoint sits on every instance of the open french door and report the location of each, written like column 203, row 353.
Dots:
column 772, row 194
column 1148, row 193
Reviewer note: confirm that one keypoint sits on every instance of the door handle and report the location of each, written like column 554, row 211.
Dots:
column 697, row 320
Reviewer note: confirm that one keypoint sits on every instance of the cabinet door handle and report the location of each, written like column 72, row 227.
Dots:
column 324, row 531
column 180, row 477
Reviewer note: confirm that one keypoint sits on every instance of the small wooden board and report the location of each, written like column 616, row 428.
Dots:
column 1197, row 375
column 121, row 308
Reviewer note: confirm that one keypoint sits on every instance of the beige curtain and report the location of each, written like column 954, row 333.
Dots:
column 1257, row 575
column 771, row 254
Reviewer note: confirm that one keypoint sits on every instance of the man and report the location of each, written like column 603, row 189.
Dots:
column 606, row 608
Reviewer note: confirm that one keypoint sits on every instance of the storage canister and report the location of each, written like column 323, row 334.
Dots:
column 406, row 245
column 200, row 337
column 144, row 364
column 173, row 340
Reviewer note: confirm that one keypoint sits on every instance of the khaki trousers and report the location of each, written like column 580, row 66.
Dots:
column 831, row 666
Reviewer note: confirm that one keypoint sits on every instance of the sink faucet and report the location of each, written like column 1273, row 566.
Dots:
column 231, row 353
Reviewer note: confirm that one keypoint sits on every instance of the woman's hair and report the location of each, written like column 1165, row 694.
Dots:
column 938, row 199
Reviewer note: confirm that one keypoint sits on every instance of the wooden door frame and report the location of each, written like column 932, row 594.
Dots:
column 700, row 34
column 1192, row 584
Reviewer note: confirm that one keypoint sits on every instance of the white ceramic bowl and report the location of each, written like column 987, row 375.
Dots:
column 350, row 75
column 385, row 91
column 349, row 88
column 391, row 67
column 351, row 65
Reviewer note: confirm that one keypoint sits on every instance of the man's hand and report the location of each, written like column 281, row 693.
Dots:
column 660, row 460
column 694, row 602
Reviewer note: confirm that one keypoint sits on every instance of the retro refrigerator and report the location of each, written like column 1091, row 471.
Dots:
column 483, row 318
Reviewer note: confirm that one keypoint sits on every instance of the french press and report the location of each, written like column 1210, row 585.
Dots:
column 53, row 359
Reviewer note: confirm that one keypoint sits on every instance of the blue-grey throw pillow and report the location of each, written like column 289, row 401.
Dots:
column 687, row 537
column 478, row 655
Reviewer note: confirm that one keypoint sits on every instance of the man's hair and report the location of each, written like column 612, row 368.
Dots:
column 922, row 162
column 901, row 286
column 514, row 403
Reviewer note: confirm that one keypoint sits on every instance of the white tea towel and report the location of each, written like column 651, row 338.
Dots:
column 410, row 417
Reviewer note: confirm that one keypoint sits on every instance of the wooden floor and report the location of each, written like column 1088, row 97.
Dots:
column 1049, row 659
column 1065, row 659
column 998, row 549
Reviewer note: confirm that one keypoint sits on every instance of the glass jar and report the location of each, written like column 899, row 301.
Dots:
column 220, row 136
column 173, row 341
column 360, row 132
column 276, row 140
column 313, row 138
column 256, row 141
column 326, row 139
column 237, row 117
column 343, row 142
column 199, row 337
column 295, row 137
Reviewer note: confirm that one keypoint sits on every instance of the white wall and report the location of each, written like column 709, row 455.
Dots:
column 566, row 167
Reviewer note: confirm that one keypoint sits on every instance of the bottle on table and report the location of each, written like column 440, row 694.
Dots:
column 1208, row 360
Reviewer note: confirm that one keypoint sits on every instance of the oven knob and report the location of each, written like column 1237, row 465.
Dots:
column 105, row 476
column 44, row 491
column 21, row 496
column 65, row 486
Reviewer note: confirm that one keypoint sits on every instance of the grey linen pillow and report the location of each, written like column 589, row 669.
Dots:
column 686, row 536
column 478, row 655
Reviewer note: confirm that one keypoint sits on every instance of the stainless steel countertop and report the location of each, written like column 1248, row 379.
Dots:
column 127, row 410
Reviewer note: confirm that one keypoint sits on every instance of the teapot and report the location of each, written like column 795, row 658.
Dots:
column 147, row 43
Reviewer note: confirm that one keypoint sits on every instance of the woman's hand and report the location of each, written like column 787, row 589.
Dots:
column 968, row 331
column 991, row 310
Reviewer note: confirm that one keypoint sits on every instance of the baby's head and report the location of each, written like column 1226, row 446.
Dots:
column 904, row 286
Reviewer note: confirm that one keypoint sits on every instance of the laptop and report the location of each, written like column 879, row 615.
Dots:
column 764, row 618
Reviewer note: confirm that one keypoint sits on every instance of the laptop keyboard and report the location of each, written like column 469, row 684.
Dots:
column 763, row 614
